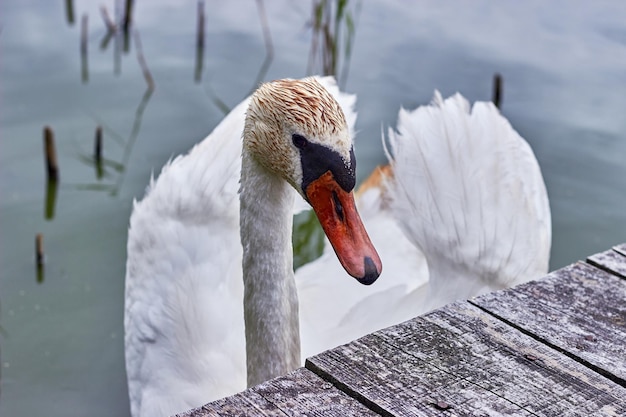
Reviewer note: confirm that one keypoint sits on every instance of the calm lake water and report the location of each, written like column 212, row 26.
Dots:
column 61, row 337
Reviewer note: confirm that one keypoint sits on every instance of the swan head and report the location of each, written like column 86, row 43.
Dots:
column 296, row 130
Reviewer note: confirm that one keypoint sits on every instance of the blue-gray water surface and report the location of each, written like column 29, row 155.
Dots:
column 61, row 333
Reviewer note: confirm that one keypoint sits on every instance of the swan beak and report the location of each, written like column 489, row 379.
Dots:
column 336, row 210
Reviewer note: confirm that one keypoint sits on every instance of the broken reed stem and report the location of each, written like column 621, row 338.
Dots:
column 128, row 9
column 142, row 61
column 83, row 47
column 69, row 11
column 39, row 255
column 52, row 167
column 83, row 34
column 126, row 24
column 200, row 42
column 497, row 90
column 200, row 36
column 108, row 22
column 97, row 153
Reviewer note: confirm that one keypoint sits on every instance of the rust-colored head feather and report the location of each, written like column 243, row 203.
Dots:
column 281, row 108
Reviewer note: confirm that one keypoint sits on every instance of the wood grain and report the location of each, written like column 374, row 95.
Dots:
column 613, row 260
column 299, row 393
column 460, row 360
column 579, row 310
column 621, row 248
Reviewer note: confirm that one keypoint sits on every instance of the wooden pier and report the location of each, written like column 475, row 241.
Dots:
column 551, row 347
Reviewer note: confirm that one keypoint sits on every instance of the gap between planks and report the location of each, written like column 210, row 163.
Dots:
column 612, row 261
column 613, row 378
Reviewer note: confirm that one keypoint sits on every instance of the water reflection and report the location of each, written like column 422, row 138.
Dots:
column 120, row 36
column 334, row 25
column 142, row 61
column 39, row 257
column 83, row 49
column 106, row 168
column 50, row 199
column 200, row 42
column 111, row 28
column 69, row 11
column 265, row 65
column 103, row 167
column 123, row 32
column 126, row 23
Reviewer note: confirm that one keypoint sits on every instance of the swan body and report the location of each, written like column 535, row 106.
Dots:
column 462, row 202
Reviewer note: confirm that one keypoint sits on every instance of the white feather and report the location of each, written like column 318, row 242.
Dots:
column 468, row 191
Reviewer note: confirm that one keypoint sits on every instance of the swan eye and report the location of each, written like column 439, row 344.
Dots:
column 299, row 141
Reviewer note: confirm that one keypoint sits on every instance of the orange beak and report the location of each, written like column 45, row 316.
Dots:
column 336, row 211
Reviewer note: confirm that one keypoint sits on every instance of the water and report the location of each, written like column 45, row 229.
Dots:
column 564, row 68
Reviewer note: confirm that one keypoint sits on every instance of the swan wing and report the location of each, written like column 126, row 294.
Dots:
column 184, row 290
column 469, row 192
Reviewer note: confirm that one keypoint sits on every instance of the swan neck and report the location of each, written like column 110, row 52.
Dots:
column 270, row 298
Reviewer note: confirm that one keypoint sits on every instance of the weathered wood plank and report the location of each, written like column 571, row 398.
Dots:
column 612, row 260
column 460, row 360
column 396, row 383
column 299, row 393
column 579, row 309
column 306, row 394
column 244, row 404
column 621, row 248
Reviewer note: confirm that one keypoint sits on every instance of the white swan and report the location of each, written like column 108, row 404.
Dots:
column 465, row 188
column 184, row 322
